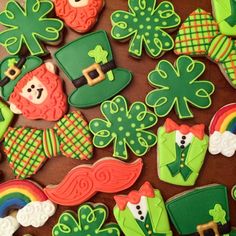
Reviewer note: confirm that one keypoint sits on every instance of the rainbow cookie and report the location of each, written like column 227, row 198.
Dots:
column 81, row 15
column 108, row 175
column 19, row 33
column 27, row 149
column 222, row 131
column 27, row 198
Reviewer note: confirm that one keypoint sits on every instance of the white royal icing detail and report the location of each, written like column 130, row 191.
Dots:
column 179, row 136
column 35, row 213
column 143, row 209
column 8, row 226
column 81, row 3
column 224, row 143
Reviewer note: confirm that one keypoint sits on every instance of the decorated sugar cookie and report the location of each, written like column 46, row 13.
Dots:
column 145, row 24
column 181, row 151
column 169, row 81
column 125, row 127
column 225, row 15
column 6, row 117
column 96, row 78
column 107, row 175
column 90, row 221
column 142, row 212
column 29, row 27
column 32, row 88
column 201, row 211
column 222, row 131
column 80, row 15
column 28, row 201
column 27, row 149
column 218, row 47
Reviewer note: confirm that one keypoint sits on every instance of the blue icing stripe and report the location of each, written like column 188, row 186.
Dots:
column 232, row 126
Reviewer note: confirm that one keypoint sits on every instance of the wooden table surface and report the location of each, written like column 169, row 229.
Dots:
column 217, row 169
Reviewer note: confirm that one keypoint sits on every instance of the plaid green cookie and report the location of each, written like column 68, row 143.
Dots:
column 27, row 149
column 199, row 36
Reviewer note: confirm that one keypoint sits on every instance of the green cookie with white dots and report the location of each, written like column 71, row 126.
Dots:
column 90, row 222
column 124, row 127
column 146, row 24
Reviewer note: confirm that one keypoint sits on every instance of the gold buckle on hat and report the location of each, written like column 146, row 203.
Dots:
column 211, row 225
column 12, row 72
column 91, row 68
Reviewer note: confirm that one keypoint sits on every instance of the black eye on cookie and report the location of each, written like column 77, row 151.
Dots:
column 29, row 90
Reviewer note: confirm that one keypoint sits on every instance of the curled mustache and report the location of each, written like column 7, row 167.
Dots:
column 81, row 183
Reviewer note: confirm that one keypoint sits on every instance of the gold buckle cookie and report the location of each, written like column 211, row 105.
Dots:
column 101, row 76
column 12, row 72
column 211, row 225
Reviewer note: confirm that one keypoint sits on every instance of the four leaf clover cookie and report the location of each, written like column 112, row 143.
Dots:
column 125, row 127
column 29, row 26
column 178, row 86
column 145, row 24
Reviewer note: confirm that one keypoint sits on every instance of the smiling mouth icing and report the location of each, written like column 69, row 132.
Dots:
column 40, row 91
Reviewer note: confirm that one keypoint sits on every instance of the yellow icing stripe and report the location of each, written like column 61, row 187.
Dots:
column 226, row 122
column 17, row 190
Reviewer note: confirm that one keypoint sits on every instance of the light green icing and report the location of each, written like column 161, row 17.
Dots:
column 90, row 221
column 218, row 214
column 124, row 127
column 167, row 154
column 29, row 26
column 145, row 23
column 171, row 79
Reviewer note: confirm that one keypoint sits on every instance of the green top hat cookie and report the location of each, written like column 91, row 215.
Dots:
column 13, row 69
column 88, row 62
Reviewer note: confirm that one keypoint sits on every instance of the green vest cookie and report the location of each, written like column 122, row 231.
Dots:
column 6, row 117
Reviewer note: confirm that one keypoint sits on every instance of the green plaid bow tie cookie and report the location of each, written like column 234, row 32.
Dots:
column 27, row 149
column 199, row 35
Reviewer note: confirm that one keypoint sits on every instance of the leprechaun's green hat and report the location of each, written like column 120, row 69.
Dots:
column 89, row 64
column 202, row 211
column 12, row 69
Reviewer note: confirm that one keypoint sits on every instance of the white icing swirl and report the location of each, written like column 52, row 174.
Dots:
column 36, row 213
column 224, row 143
column 8, row 226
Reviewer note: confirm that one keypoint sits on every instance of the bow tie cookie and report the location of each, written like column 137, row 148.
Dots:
column 169, row 81
column 201, row 211
column 32, row 88
column 27, row 149
column 81, row 15
column 200, row 36
column 181, row 152
column 19, row 21
column 126, row 127
column 96, row 78
column 28, row 204
column 145, row 23
column 107, row 175
column 223, row 131
column 90, row 221
column 142, row 212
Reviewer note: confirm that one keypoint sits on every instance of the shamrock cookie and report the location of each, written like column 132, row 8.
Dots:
column 29, row 27
column 90, row 221
column 181, row 151
column 81, row 15
column 201, row 211
column 27, row 149
column 6, row 117
column 142, row 212
column 223, row 131
column 107, row 175
column 27, row 198
column 224, row 12
column 199, row 36
column 32, row 88
column 126, row 127
column 96, row 78
column 145, row 23
column 170, row 81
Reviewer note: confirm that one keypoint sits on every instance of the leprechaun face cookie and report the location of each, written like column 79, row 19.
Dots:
column 80, row 15
column 32, row 88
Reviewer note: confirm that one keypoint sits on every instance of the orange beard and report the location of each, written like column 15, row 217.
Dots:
column 80, row 19
column 55, row 105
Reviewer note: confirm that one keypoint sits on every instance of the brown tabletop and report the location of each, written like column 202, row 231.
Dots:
column 216, row 169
